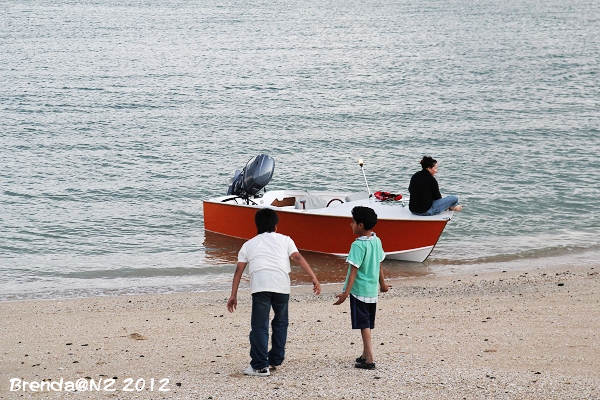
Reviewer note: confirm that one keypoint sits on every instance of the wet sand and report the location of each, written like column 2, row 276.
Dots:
column 515, row 335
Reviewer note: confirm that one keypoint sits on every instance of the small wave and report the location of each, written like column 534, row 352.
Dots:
column 83, row 88
column 104, row 292
column 15, row 194
column 141, row 273
column 530, row 254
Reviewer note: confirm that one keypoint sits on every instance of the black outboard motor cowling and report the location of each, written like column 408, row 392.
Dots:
column 256, row 175
column 235, row 187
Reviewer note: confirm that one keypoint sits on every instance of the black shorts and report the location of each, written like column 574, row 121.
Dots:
column 362, row 314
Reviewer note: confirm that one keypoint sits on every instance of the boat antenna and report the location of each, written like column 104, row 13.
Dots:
column 360, row 162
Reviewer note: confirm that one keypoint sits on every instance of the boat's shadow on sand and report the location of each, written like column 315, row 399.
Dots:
column 222, row 249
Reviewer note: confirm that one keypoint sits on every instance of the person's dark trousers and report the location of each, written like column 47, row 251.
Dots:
column 259, row 335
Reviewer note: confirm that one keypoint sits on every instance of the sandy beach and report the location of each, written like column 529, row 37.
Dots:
column 503, row 335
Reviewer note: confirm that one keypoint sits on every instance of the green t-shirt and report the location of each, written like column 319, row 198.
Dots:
column 366, row 254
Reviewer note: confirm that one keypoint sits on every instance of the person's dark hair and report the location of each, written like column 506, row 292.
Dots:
column 265, row 220
column 427, row 162
column 364, row 215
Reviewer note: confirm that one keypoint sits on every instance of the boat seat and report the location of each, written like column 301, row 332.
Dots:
column 357, row 196
column 310, row 202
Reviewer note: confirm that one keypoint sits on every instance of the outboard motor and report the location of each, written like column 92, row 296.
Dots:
column 256, row 175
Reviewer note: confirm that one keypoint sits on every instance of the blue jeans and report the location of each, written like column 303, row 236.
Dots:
column 259, row 335
column 440, row 205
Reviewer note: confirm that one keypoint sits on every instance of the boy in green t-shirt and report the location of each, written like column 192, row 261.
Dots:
column 364, row 274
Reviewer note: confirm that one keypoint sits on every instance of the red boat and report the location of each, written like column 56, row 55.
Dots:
column 320, row 221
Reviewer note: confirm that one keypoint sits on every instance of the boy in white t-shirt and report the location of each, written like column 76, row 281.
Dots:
column 268, row 257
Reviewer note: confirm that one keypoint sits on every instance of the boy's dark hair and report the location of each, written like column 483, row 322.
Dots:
column 265, row 220
column 364, row 215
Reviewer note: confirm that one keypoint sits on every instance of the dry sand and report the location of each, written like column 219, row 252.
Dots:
column 513, row 335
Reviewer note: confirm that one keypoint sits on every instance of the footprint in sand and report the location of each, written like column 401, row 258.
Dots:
column 137, row 336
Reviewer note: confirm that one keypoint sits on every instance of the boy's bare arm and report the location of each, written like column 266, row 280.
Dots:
column 384, row 287
column 343, row 296
column 297, row 257
column 237, row 277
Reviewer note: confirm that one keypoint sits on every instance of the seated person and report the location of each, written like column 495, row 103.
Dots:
column 425, row 197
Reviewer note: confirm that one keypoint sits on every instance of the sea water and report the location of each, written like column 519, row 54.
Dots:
column 118, row 118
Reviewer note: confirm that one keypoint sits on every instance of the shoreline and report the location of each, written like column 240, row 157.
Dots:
column 329, row 270
column 514, row 334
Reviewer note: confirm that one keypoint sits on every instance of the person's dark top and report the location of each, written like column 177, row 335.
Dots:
column 423, row 190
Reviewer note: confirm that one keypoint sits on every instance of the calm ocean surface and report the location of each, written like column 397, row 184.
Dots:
column 118, row 118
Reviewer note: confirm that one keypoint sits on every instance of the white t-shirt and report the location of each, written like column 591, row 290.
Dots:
column 268, row 258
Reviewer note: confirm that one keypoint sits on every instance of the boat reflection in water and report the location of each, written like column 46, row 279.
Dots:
column 221, row 250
